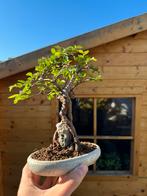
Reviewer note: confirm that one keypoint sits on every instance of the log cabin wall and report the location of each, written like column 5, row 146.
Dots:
column 23, row 128
column 30, row 124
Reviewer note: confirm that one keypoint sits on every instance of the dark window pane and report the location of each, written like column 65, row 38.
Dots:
column 82, row 110
column 115, row 155
column 114, row 116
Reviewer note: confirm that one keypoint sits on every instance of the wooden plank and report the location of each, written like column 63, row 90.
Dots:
column 126, row 73
column 143, row 124
column 14, row 160
column 21, row 147
column 125, row 45
column 120, row 59
column 144, row 111
column 136, row 135
column 141, row 35
column 142, row 170
column 26, row 123
column 1, row 176
column 105, row 83
column 27, row 135
column 6, row 82
column 143, row 147
column 144, row 98
column 34, row 101
column 84, row 92
column 12, row 176
column 107, row 137
column 112, row 188
column 25, row 111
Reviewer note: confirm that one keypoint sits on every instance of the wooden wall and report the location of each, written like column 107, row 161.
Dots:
column 23, row 128
column 30, row 124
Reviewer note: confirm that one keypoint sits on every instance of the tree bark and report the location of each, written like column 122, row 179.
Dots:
column 66, row 117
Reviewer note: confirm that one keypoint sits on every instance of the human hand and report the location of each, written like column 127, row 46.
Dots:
column 52, row 186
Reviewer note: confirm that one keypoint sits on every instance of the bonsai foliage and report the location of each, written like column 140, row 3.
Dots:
column 57, row 76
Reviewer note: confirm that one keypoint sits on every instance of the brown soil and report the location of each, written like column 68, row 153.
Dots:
column 51, row 153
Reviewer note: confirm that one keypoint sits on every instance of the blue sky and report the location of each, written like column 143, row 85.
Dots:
column 27, row 25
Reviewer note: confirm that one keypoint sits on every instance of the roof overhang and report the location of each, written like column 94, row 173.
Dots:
column 88, row 40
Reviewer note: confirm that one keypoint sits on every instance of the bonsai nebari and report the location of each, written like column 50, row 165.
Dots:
column 57, row 76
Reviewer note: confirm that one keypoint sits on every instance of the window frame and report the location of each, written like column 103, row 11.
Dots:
column 134, row 136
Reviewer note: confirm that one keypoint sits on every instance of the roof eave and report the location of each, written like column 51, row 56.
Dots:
column 88, row 40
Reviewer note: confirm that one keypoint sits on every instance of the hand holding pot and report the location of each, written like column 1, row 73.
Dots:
column 62, row 186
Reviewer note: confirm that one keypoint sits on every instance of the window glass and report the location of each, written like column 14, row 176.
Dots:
column 82, row 110
column 114, row 116
column 115, row 155
column 114, row 119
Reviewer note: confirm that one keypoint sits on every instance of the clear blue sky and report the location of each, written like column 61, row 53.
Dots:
column 27, row 25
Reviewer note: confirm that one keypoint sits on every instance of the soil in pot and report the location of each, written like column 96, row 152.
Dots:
column 52, row 153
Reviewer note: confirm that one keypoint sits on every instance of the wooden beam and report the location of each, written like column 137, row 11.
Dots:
column 87, row 40
column 107, row 137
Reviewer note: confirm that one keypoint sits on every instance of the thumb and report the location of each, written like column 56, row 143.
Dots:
column 68, row 183
column 28, row 178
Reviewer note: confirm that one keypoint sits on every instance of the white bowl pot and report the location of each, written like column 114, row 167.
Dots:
column 61, row 167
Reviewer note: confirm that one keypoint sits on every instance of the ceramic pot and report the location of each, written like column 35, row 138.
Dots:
column 61, row 167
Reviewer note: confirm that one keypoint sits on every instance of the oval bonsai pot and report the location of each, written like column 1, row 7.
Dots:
column 61, row 167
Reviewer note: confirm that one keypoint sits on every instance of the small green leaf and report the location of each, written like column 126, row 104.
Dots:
column 29, row 74
column 53, row 50
column 81, row 51
column 53, row 73
column 93, row 59
column 11, row 87
column 12, row 96
column 57, row 54
column 86, row 52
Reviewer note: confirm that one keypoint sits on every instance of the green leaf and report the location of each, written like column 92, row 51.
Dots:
column 54, row 72
column 60, row 82
column 57, row 54
column 93, row 59
column 86, row 52
column 21, row 81
column 81, row 51
column 29, row 74
column 53, row 50
column 50, row 96
column 12, row 96
column 11, row 87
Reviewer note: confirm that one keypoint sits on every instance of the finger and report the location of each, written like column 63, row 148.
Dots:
column 28, row 178
column 27, row 175
column 49, row 182
column 72, row 180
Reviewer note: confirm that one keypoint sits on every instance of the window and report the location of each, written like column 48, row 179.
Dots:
column 109, row 122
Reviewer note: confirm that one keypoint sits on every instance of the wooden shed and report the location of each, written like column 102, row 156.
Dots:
column 114, row 116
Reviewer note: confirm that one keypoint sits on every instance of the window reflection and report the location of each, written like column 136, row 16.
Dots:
column 82, row 110
column 115, row 155
column 114, row 116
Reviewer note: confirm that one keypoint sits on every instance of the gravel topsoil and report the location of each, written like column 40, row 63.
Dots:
column 51, row 153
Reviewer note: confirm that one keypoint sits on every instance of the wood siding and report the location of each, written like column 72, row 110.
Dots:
column 30, row 124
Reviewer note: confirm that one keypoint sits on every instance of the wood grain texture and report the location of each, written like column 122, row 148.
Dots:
column 30, row 124
column 1, row 175
column 113, row 188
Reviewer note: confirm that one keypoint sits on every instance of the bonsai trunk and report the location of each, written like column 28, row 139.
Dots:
column 65, row 134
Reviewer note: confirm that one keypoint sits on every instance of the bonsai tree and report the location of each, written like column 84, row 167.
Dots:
column 57, row 76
